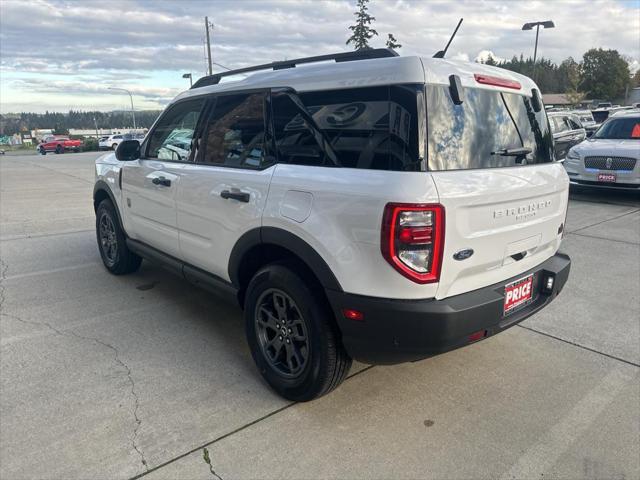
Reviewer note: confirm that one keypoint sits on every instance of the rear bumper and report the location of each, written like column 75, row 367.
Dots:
column 613, row 186
column 396, row 331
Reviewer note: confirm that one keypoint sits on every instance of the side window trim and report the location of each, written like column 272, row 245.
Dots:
column 203, row 121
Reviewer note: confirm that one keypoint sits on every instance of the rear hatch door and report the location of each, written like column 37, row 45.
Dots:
column 505, row 197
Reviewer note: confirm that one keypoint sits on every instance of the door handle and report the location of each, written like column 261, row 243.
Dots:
column 240, row 196
column 161, row 181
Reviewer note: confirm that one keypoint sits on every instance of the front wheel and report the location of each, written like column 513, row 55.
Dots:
column 112, row 242
column 42, row 151
column 293, row 337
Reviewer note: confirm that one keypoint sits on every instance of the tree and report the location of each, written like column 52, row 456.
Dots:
column 392, row 42
column 605, row 74
column 490, row 61
column 362, row 31
column 570, row 80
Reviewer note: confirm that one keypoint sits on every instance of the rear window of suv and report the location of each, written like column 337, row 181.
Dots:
column 369, row 128
column 470, row 135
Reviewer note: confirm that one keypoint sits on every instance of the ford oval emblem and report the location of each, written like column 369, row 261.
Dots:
column 463, row 254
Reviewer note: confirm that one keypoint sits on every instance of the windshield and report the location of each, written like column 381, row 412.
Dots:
column 485, row 130
column 620, row 129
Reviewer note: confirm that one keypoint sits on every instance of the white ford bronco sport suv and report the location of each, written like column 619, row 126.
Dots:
column 358, row 206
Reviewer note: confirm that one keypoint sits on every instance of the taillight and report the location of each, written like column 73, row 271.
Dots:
column 413, row 240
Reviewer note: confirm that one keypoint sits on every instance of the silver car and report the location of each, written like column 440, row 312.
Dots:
column 611, row 157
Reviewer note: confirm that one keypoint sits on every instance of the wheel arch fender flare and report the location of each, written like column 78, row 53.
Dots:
column 278, row 237
column 99, row 190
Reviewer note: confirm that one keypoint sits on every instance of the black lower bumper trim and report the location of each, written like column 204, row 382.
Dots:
column 396, row 331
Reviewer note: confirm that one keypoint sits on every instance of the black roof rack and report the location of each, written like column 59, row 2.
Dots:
column 363, row 54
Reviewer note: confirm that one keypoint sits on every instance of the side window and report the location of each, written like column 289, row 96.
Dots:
column 559, row 124
column 573, row 125
column 356, row 122
column 172, row 136
column 235, row 133
column 295, row 140
column 370, row 128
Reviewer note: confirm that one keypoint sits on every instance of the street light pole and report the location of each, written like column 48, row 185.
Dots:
column 133, row 113
column 529, row 26
column 190, row 77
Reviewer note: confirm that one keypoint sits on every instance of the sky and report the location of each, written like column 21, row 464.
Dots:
column 59, row 55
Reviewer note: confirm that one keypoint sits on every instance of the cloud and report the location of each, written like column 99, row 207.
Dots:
column 484, row 55
column 137, row 42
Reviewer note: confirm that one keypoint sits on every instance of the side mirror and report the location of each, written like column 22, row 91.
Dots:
column 128, row 150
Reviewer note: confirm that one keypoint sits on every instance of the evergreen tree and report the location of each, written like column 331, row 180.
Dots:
column 362, row 31
column 392, row 42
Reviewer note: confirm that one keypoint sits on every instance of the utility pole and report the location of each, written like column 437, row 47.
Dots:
column 206, row 26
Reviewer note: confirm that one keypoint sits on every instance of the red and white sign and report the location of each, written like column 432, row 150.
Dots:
column 606, row 177
column 518, row 293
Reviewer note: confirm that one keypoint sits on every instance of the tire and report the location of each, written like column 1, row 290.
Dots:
column 42, row 151
column 114, row 146
column 59, row 149
column 283, row 305
column 116, row 256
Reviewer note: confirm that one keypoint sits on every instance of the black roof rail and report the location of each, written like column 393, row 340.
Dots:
column 363, row 54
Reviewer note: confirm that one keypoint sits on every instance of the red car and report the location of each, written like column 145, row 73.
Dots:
column 58, row 145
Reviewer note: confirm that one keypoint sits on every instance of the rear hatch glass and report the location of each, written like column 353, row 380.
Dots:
column 473, row 134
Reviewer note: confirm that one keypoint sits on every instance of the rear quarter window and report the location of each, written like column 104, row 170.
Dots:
column 369, row 128
column 467, row 136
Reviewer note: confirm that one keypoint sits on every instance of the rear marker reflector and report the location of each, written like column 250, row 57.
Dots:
column 351, row 314
column 497, row 81
column 474, row 337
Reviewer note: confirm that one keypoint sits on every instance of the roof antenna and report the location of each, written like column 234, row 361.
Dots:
column 441, row 53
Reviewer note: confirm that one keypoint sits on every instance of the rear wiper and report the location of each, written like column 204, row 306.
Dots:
column 513, row 152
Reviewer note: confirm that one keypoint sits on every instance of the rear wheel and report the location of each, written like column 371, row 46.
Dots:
column 112, row 243
column 114, row 146
column 59, row 149
column 292, row 334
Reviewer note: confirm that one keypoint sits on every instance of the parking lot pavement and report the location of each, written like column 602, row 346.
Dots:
column 117, row 377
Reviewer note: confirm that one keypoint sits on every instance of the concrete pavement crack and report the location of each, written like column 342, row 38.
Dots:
column 134, row 440
column 138, row 422
column 207, row 460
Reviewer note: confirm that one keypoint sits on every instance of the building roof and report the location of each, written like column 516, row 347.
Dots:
column 555, row 99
